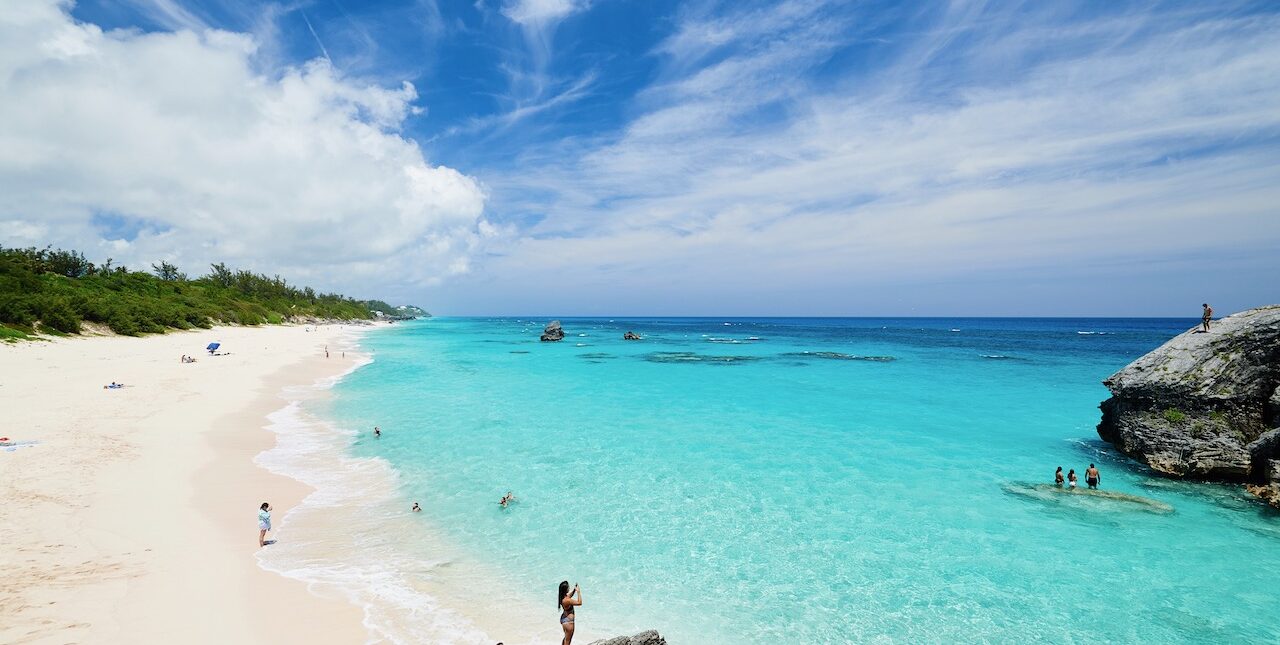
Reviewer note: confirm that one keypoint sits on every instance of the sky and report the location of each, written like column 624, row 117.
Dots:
column 652, row 157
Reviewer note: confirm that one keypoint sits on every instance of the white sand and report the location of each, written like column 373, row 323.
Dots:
column 134, row 518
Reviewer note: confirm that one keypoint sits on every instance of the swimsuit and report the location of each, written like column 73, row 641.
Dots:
column 1092, row 481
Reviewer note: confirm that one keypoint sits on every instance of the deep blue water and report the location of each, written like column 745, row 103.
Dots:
column 812, row 480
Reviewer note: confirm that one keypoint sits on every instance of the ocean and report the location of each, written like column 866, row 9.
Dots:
column 762, row 480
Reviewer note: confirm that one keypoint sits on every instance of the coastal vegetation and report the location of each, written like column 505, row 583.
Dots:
column 56, row 292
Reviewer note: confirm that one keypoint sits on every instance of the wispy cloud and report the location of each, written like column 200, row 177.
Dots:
column 170, row 14
column 496, row 124
column 532, row 89
column 1005, row 140
column 323, row 51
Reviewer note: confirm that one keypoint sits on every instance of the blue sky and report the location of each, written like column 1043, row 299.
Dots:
column 615, row 157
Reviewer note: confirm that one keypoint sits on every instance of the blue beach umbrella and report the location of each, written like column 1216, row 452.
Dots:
column 213, row 346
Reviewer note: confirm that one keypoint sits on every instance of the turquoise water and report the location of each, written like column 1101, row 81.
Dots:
column 724, row 489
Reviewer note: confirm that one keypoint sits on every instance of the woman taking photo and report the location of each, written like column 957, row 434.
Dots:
column 567, row 600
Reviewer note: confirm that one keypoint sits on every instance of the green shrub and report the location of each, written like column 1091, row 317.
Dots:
column 1217, row 416
column 56, row 313
column 8, row 334
column 1174, row 415
column 122, row 323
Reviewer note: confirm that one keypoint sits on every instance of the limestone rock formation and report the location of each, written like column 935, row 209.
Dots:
column 1205, row 405
column 552, row 332
column 643, row 638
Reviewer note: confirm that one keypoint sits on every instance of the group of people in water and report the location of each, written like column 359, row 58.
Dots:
column 1091, row 477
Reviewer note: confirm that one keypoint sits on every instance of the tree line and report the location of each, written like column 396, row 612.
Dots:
column 56, row 291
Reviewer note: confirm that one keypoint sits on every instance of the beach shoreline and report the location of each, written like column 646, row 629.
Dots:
column 132, row 517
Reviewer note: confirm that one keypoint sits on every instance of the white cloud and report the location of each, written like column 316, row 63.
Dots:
column 540, row 12
column 196, row 156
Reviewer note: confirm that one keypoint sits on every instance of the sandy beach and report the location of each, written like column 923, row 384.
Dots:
column 133, row 516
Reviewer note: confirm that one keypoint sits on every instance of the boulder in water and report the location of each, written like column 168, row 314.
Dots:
column 650, row 637
column 552, row 332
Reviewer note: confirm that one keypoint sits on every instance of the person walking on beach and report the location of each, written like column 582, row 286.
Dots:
column 264, row 523
column 1208, row 316
column 1091, row 476
column 1057, row 477
column 567, row 602
column 1071, row 478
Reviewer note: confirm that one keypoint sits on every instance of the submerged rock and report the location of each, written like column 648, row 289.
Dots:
column 552, row 332
column 1098, row 499
column 1205, row 405
column 839, row 356
column 650, row 637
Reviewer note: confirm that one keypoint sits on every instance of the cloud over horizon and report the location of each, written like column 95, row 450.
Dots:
column 1102, row 159
column 792, row 157
column 173, row 146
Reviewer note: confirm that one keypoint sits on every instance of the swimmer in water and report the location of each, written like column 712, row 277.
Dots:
column 416, row 508
column 507, row 499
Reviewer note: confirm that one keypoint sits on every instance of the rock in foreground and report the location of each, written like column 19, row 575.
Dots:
column 1205, row 405
column 552, row 332
column 643, row 638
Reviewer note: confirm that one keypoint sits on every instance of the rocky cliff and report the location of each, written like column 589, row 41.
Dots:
column 1205, row 405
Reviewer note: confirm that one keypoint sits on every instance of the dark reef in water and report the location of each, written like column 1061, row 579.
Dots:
column 838, row 356
column 691, row 357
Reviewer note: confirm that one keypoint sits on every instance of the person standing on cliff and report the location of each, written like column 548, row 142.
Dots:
column 1091, row 476
column 1208, row 315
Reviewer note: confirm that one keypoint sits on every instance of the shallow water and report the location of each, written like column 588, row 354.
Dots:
column 793, row 480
